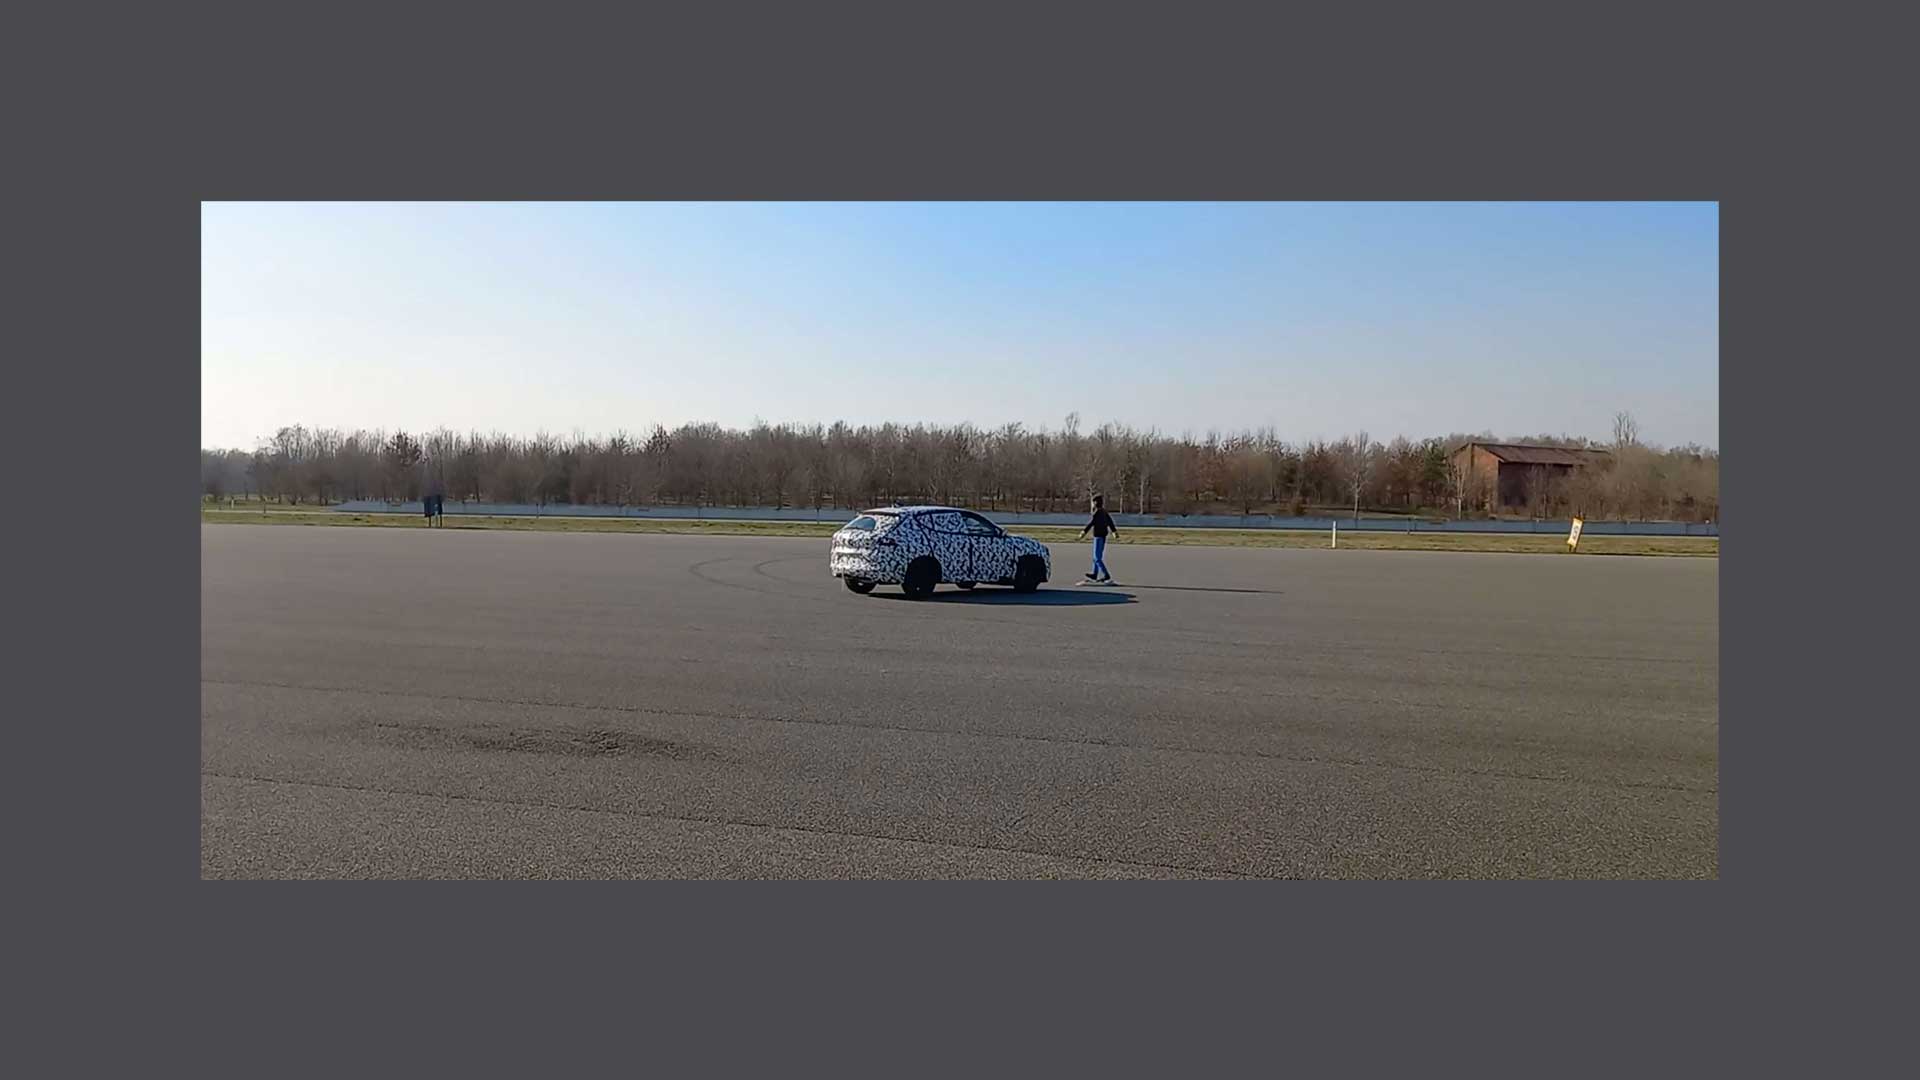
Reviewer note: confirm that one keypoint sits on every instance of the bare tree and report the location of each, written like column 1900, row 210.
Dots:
column 402, row 455
column 1459, row 479
column 1534, row 490
column 1140, row 470
column 1401, row 467
column 1432, row 479
column 1010, row 466
column 1247, row 478
column 1626, row 430
column 1079, row 472
column 1356, row 461
column 213, row 475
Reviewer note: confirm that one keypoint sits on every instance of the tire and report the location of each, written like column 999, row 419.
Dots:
column 963, row 584
column 1027, row 577
column 856, row 585
column 923, row 574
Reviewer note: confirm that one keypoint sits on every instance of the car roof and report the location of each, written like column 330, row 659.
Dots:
column 904, row 511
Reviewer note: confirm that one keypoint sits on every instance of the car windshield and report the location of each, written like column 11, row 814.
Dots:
column 864, row 523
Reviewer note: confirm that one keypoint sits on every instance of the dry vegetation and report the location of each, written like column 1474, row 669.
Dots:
column 282, row 514
column 1009, row 468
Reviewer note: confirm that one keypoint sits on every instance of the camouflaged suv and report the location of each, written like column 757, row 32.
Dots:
column 919, row 547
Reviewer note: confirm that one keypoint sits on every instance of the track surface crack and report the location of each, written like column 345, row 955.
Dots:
column 1057, row 740
column 731, row 823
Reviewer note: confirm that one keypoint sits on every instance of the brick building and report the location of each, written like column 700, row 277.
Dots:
column 1497, row 474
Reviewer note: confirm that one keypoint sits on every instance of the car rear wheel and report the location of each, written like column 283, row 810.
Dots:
column 1027, row 577
column 856, row 585
column 923, row 574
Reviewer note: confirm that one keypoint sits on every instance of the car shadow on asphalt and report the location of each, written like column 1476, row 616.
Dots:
column 1208, row 588
column 986, row 594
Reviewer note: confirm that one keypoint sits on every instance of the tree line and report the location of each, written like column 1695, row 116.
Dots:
column 1013, row 467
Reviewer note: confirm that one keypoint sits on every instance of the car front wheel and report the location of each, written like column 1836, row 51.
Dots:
column 1027, row 577
column 856, row 585
column 922, row 575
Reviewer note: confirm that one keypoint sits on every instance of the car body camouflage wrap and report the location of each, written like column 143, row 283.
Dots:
column 879, row 545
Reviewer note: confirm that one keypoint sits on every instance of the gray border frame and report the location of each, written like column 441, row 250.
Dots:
column 147, row 113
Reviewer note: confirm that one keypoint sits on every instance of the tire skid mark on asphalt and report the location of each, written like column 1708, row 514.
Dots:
column 838, row 604
column 1222, row 647
column 1071, row 648
column 733, row 823
column 696, row 569
column 1074, row 647
column 761, row 567
column 1110, row 744
column 1219, row 648
column 809, row 597
column 1202, row 638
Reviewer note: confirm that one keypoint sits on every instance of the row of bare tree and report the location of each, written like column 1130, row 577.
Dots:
column 1008, row 468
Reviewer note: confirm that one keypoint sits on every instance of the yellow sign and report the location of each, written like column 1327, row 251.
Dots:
column 1573, row 538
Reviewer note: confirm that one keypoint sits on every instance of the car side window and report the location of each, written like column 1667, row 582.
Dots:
column 979, row 526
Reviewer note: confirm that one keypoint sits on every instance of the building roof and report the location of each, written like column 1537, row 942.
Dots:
column 1518, row 454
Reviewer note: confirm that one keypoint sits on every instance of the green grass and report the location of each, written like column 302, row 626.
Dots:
column 1543, row 544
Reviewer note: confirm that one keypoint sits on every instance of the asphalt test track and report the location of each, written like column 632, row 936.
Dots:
column 464, row 703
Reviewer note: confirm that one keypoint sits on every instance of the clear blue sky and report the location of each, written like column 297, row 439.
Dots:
column 1319, row 319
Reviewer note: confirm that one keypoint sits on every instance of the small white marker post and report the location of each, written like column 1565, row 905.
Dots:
column 1336, row 535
